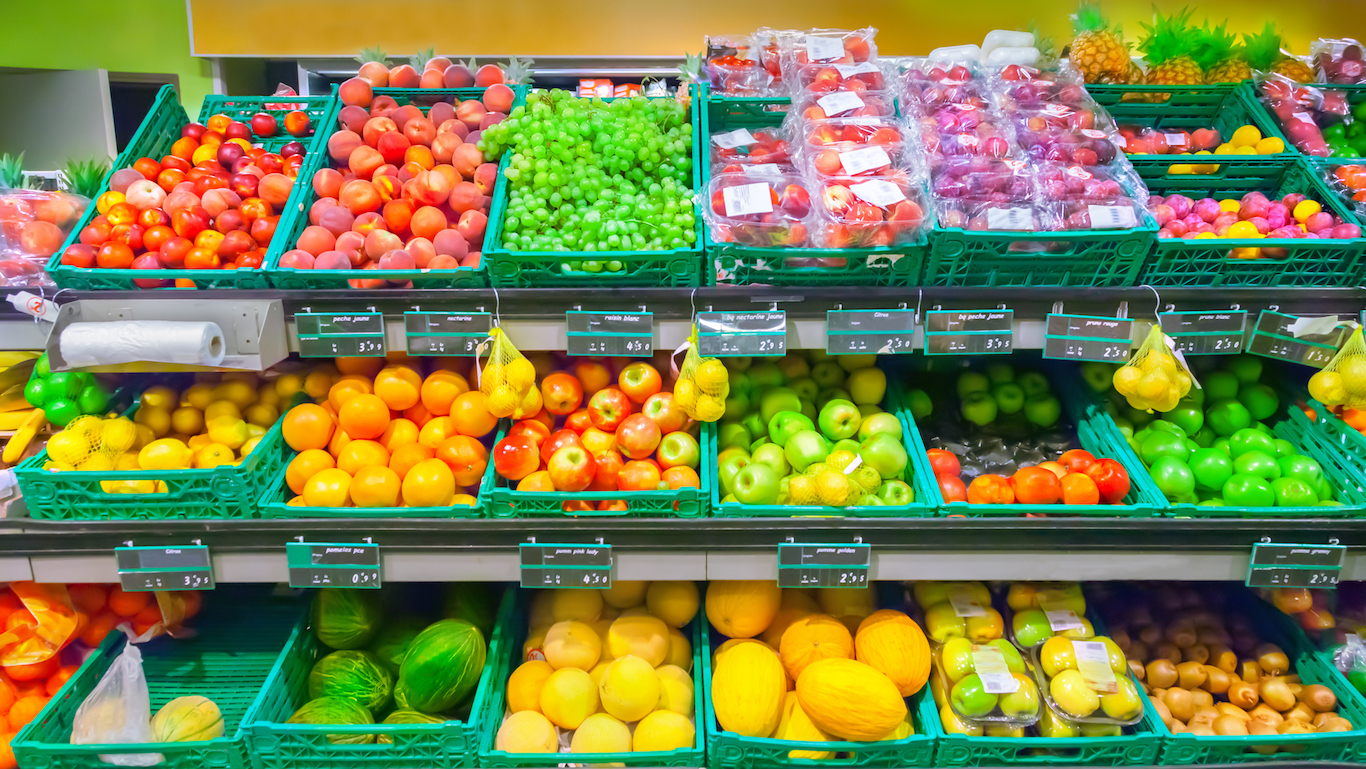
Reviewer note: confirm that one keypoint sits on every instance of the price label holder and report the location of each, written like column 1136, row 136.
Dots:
column 1216, row 332
column 326, row 564
column 164, row 568
column 969, row 332
column 826, row 565
column 1275, row 336
column 445, row 333
column 629, row 334
column 565, row 565
column 330, row 334
column 1286, row 565
column 1087, row 337
column 889, row 332
column 739, row 334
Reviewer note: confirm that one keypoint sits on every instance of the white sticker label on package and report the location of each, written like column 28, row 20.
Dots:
column 1112, row 217
column 748, row 199
column 1092, row 133
column 1010, row 219
column 764, row 169
column 1077, row 172
column 849, row 70
column 839, row 102
column 880, row 193
column 740, row 137
column 1304, row 116
column 856, row 162
column 1174, row 139
column 964, row 605
column 1060, row 110
column 824, row 48
column 990, row 665
column 1093, row 661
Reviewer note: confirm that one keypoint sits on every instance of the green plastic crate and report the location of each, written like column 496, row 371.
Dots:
column 275, row 744
column 1344, row 440
column 917, row 474
column 1356, row 94
column 748, row 265
column 495, row 705
column 226, row 491
column 464, row 277
column 542, row 269
column 1207, row 261
column 240, row 634
column 504, row 501
column 153, row 139
column 275, row 504
column 1224, row 107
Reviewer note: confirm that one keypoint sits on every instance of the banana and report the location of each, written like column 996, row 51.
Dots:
column 17, row 373
column 14, row 449
column 13, row 420
column 13, row 399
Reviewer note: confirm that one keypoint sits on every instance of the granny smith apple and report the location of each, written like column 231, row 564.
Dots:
column 729, row 499
column 785, row 424
column 895, row 493
column 972, row 382
column 733, row 451
column 771, row 454
column 778, row 399
column 1325, row 489
column 1258, row 463
column 885, row 454
column 805, row 388
column 1220, row 386
column 1261, row 400
column 1166, row 426
column 1010, row 397
column 794, row 366
column 1138, row 417
column 1031, row 627
column 847, row 444
column 1014, row 662
column 839, row 419
column 880, row 423
column 737, row 404
column 869, row 500
column 852, row 363
column 920, row 403
column 755, row 424
column 1264, row 427
column 1033, row 382
column 1221, row 444
column 739, row 364
column 757, row 442
column 728, row 469
column 804, row 449
column 740, row 381
column 1125, row 426
column 970, row 698
column 867, row 385
column 679, row 448
column 818, row 356
column 1243, row 490
column 828, row 375
column 1284, row 448
column 1042, row 409
column 1302, row 467
column 756, row 484
column 734, row 434
column 1188, row 415
column 999, row 373
column 809, row 410
column 1211, row 467
column 784, row 490
column 1205, row 437
column 978, row 407
column 868, row 409
column 1248, row 368
column 825, row 396
column 1098, row 376
column 1160, row 444
column 1173, row 478
column 1021, row 703
column 765, row 373
column 1293, row 492
column 1248, row 439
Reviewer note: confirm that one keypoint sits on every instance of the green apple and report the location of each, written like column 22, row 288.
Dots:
column 828, row 374
column 825, row 396
column 778, row 399
column 755, row 424
column 1197, row 395
column 1261, row 400
column 885, row 454
column 971, row 699
column 868, row 500
column 733, row 451
column 956, row 659
column 740, row 381
column 867, row 385
column 793, row 366
column 739, row 364
column 1012, row 655
column 785, row 424
column 1220, row 386
column 852, row 363
column 817, row 356
column 765, row 373
column 1030, row 627
column 972, row 382
column 784, row 490
column 805, row 387
column 868, row 409
column 734, row 434
column 1043, row 409
column 1248, row 368
column 895, row 493
column 1000, row 373
column 771, row 454
column 879, row 423
column 978, row 407
column 1098, row 376
column 1010, row 397
column 847, row 444
column 727, row 470
column 839, row 419
column 764, row 441
column 729, row 499
column 809, row 410
column 804, row 449
column 756, row 484
column 737, row 404
column 1227, row 416
column 1033, row 382
column 920, row 403
column 1023, row 702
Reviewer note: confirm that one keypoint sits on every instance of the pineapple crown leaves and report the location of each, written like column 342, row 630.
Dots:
column 1089, row 18
column 1047, row 46
column 1169, row 37
column 690, row 71
column 1262, row 50
column 516, row 72
column 375, row 54
column 83, row 177
column 420, row 59
column 1217, row 45
column 12, row 171
column 472, row 65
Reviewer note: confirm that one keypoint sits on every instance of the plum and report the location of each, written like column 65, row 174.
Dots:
column 1207, row 209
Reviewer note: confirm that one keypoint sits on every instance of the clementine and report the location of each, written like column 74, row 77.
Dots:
column 440, row 390
column 358, row 454
column 472, row 416
column 404, row 457
column 400, row 432
column 303, row 467
column 364, row 417
column 375, row 487
column 430, row 483
column 466, row 457
column 126, row 604
column 307, row 426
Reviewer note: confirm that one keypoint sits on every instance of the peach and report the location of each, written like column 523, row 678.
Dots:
column 427, row 221
column 498, row 98
column 383, row 106
column 465, row 196
column 388, row 186
column 392, row 145
column 443, row 262
column 296, row 259
column 327, row 182
column 489, row 74
column 418, row 157
column 398, row 259
column 420, row 130
column 453, row 126
column 352, row 244
column 485, row 176
column 465, row 159
column 376, row 126
column 403, row 114
column 473, row 260
column 332, row 260
column 448, row 171
column 421, row 249
column 215, row 201
column 320, row 207
column 336, row 219
column 275, row 189
column 368, row 221
column 341, row 143
column 470, row 112
column 353, row 118
column 356, row 92
column 438, row 63
column 441, row 112
column 374, row 73
column 828, row 162
column 472, row 225
column 473, row 137
column 444, row 145
column 398, row 215
column 431, row 78
column 316, row 239
column 360, row 196
column 364, row 160
column 404, row 76
column 450, row 243
column 457, row 76
column 378, row 242
column 235, row 242
column 432, row 187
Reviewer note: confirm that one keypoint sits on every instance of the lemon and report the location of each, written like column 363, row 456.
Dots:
column 165, row 454
column 1126, row 380
column 685, row 394
column 262, row 414
column 69, row 448
column 710, row 408
column 1325, row 387
column 213, row 455
column 119, row 435
column 711, row 377
column 1270, row 146
column 503, row 401
column 832, row 487
column 520, row 374
column 255, row 431
column 98, row 462
column 158, row 418
column 187, row 420
column 840, row 459
column 266, row 394
column 198, row 396
column 221, row 408
column 242, row 376
column 1243, row 229
column 161, row 396
column 198, row 442
column 238, row 393
column 1305, row 209
column 866, row 478
column 287, row 385
column 127, row 461
column 90, row 426
column 1226, row 149
column 229, row 431
column 248, row 446
column 1246, row 136
column 145, row 436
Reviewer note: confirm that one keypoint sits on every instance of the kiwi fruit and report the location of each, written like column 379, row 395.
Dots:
column 1243, row 694
column 1216, row 680
column 1293, row 727
column 1264, row 712
column 1167, row 650
column 1276, row 693
column 1250, row 671
column 1202, row 697
column 1204, row 715
column 1318, row 697
column 1222, row 657
column 1335, row 724
column 1321, row 717
column 1301, row 712
column 1163, row 711
column 1263, row 729
column 1121, row 638
column 1181, row 634
column 1229, row 726
column 1202, row 730
column 1191, row 675
column 1137, row 669
column 1150, row 634
column 1180, row 703
column 1195, row 653
column 1212, row 636
column 1175, row 727
column 1161, row 673
column 1137, row 651
column 1272, row 659
column 1229, row 709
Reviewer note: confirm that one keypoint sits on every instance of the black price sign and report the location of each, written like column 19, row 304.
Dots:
column 890, row 332
column 830, row 565
column 1217, row 332
column 1273, row 338
column 164, row 568
column 1288, row 565
column 732, row 334
column 1087, row 337
column 445, row 333
column 566, row 565
column 315, row 564
column 326, row 334
column 629, row 334
column 969, row 332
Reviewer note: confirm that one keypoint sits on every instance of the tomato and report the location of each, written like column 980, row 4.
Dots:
column 1111, row 479
column 1079, row 489
column 250, row 260
column 943, row 462
column 991, row 489
column 1077, row 460
column 1036, row 486
column 951, row 488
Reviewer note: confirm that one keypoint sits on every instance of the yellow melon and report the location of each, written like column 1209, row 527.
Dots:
column 800, row 598
column 742, row 608
column 625, row 594
column 846, row 601
column 527, row 732
column 188, row 719
column 675, row 690
column 680, row 650
column 568, row 697
column 629, row 688
column 747, row 690
column 811, row 638
column 524, row 685
column 801, row 729
column 572, row 645
column 675, row 602
column 789, row 702
column 663, row 730
column 894, row 644
column 575, row 604
column 773, row 635
column 601, row 733
column 644, row 636
column 849, row 699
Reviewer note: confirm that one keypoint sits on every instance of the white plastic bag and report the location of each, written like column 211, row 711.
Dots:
column 118, row 711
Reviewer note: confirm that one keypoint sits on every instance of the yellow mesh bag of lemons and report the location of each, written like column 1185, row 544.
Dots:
column 1343, row 381
column 1153, row 379
column 508, row 380
column 703, row 384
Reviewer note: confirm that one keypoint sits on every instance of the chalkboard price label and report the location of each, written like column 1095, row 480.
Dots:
column 1087, row 337
column 969, row 332
column 164, row 568
column 823, row 565
column 739, row 334
column 1291, row 565
column 1274, row 337
column 887, row 332
column 566, row 565
column 328, row 334
column 627, row 334
column 445, row 333
column 333, row 564
column 1217, row 332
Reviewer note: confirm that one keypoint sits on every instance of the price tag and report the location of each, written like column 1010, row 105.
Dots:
column 1085, row 337
column 969, row 332
column 830, row 565
column 990, row 665
column 330, row 564
column 869, row 331
column 731, row 334
column 328, row 335
column 965, row 605
column 740, row 137
column 747, row 199
column 164, row 568
column 849, row 70
column 629, row 334
column 1218, row 332
column 839, row 102
column 879, row 192
column 445, row 333
column 1285, row 565
column 823, row 48
column 587, row 566
column 1274, row 336
column 1112, row 217
column 1093, row 661
column 1060, row 617
column 1010, row 219
column 867, row 159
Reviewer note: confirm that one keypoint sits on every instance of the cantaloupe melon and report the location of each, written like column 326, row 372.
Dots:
column 742, row 608
column 894, row 644
column 748, row 687
column 187, row 719
column 849, row 699
column 811, row 638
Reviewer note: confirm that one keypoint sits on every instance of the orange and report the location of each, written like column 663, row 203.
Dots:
column 404, row 457
column 57, row 680
column 681, row 477
column 400, row 432
column 398, row 386
column 9, row 602
column 338, row 442
column 317, row 384
column 25, row 709
column 82, row 621
column 99, row 627
column 127, row 604
column 146, row 618
column 471, row 414
column 418, row 415
column 7, row 698
column 88, row 598
column 304, row 465
column 342, row 391
column 437, row 430
column 367, row 366
column 358, row 454
column 328, row 488
column 1355, row 418
column 466, row 457
column 21, row 618
column 430, row 483
column 37, row 671
column 307, row 426
column 364, row 417
column 375, row 487
column 537, row 481
column 441, row 389
column 6, row 753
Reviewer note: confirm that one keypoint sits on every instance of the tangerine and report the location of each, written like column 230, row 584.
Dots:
column 364, row 417
column 21, row 618
column 345, row 388
column 25, row 709
column 472, row 416
column 358, row 454
column 7, row 697
column 304, row 466
column 7, row 760
column 437, row 430
column 57, row 680
column 375, row 487
column 404, row 457
column 126, row 604
column 400, row 432
column 338, row 442
column 430, row 483
column 307, row 426
column 418, row 415
column 399, row 387
column 440, row 390
column 328, row 488
column 88, row 598
column 466, row 457
column 366, row 366
column 34, row 672
column 100, row 626
column 146, row 619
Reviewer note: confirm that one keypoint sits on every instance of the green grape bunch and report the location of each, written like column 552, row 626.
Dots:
column 593, row 175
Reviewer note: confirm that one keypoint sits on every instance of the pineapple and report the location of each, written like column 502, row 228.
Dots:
column 1097, row 51
column 517, row 72
column 1264, row 54
column 420, row 59
column 689, row 73
column 1169, row 50
column 12, row 171
column 375, row 54
column 83, row 177
column 1224, row 59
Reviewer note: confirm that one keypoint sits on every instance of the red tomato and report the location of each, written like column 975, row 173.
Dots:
column 991, row 489
column 943, row 462
column 1036, row 486
column 1077, row 460
column 1111, row 480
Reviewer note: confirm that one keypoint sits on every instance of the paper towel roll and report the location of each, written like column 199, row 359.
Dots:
column 129, row 341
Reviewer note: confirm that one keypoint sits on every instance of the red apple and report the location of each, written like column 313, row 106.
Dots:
column 558, row 441
column 571, row 468
column 638, row 437
column 609, row 463
column 515, row 457
column 608, row 408
column 661, row 408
